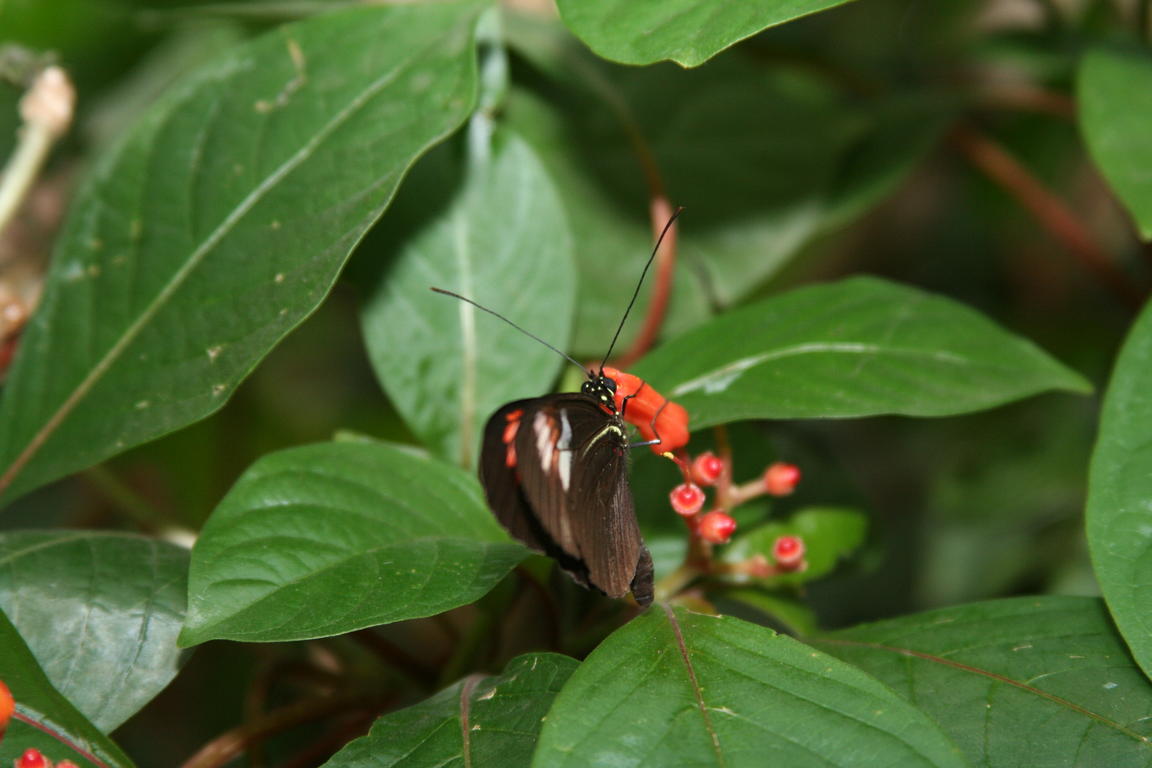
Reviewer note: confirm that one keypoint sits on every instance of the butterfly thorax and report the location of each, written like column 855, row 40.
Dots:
column 602, row 389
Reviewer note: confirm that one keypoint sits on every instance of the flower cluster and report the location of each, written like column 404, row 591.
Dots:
column 717, row 525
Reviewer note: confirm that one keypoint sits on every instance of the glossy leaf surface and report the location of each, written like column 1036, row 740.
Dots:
column 481, row 218
column 221, row 222
column 101, row 612
column 332, row 537
column 479, row 721
column 1027, row 681
column 858, row 347
column 686, row 31
column 700, row 690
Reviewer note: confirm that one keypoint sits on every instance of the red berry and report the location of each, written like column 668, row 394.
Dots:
column 687, row 499
column 780, row 478
column 32, row 759
column 7, row 706
column 716, row 527
column 789, row 553
column 66, row 764
column 706, row 468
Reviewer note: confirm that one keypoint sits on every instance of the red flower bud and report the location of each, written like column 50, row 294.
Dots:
column 687, row 499
column 780, row 478
column 716, row 527
column 706, row 468
column 7, row 706
column 66, row 764
column 32, row 758
column 789, row 553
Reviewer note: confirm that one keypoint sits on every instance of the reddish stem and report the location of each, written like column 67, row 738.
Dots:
column 1051, row 212
column 659, row 212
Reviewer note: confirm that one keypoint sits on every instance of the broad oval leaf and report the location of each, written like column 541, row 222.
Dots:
column 100, row 611
column 41, row 712
column 829, row 533
column 1026, row 681
column 479, row 721
column 1114, row 95
column 700, row 690
column 859, row 347
column 688, row 32
column 220, row 223
column 333, row 537
column 481, row 218
column 1119, row 516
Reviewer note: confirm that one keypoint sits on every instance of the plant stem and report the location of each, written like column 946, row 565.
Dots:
column 1050, row 212
column 46, row 110
column 128, row 500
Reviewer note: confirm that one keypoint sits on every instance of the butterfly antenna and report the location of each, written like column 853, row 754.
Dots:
column 640, row 282
column 526, row 333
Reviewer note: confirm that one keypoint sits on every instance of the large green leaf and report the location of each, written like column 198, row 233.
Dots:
column 1114, row 94
column 678, row 689
column 686, row 31
column 1028, row 681
column 221, row 222
column 328, row 538
column 44, row 719
column 479, row 721
column 1119, row 517
column 481, row 218
column 858, row 347
column 100, row 611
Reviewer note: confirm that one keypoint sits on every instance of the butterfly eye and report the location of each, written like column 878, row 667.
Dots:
column 610, row 384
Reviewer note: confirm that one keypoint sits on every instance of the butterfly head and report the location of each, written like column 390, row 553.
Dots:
column 602, row 388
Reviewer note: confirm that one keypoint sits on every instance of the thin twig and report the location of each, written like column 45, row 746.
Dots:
column 1050, row 212
column 46, row 110
column 233, row 743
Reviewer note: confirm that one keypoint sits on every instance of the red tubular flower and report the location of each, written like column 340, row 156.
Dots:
column 687, row 499
column 7, row 706
column 642, row 406
column 716, row 527
column 780, row 478
column 707, row 468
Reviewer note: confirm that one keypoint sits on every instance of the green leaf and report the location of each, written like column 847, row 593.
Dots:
column 686, row 31
column 220, row 223
column 482, row 219
column 1114, row 94
column 100, row 611
column 1027, row 681
column 500, row 716
column 686, row 689
column 1118, row 516
column 829, row 534
column 858, row 347
column 41, row 712
column 333, row 537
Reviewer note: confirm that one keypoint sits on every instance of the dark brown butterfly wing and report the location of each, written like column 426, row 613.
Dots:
column 558, row 481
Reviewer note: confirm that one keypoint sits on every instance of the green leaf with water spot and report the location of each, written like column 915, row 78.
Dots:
column 1027, row 681
column 858, row 347
column 685, row 31
column 679, row 688
column 480, row 217
column 500, row 716
column 333, row 537
column 1119, row 516
column 1114, row 98
column 41, row 712
column 101, row 613
column 220, row 222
